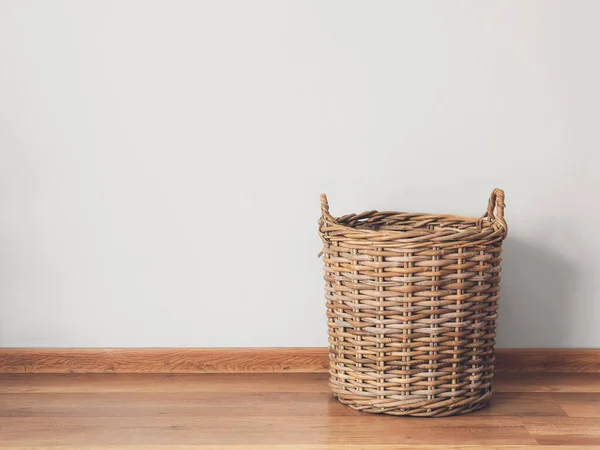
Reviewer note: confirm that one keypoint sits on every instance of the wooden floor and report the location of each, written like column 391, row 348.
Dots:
column 281, row 411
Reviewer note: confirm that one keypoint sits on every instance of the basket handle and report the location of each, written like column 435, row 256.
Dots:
column 325, row 208
column 495, row 209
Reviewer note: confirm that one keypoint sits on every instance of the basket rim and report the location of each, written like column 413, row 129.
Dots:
column 335, row 222
column 408, row 214
column 482, row 233
column 484, row 230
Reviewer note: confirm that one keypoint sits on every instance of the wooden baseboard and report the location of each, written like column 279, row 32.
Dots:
column 548, row 359
column 250, row 360
column 162, row 360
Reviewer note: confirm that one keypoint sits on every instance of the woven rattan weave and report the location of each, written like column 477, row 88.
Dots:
column 411, row 305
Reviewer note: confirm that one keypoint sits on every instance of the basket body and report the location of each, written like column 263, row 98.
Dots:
column 412, row 302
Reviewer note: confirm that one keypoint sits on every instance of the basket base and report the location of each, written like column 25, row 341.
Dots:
column 431, row 408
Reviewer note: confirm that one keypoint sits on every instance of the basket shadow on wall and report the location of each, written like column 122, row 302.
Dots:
column 535, row 304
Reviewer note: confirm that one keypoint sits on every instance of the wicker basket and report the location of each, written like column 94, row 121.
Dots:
column 411, row 306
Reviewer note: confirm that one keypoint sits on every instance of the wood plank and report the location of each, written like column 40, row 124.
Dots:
column 172, row 404
column 583, row 383
column 581, row 408
column 213, row 382
column 203, row 404
column 301, row 447
column 547, row 382
column 522, row 404
column 266, row 430
column 251, row 360
column 564, row 430
column 277, row 411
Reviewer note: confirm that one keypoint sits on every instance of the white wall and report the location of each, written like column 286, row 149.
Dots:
column 161, row 160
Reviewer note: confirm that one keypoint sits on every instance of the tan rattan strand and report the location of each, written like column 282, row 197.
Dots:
column 412, row 302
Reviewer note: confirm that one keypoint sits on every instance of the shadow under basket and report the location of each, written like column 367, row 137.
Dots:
column 412, row 302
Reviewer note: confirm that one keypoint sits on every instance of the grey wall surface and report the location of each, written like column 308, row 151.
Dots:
column 161, row 161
